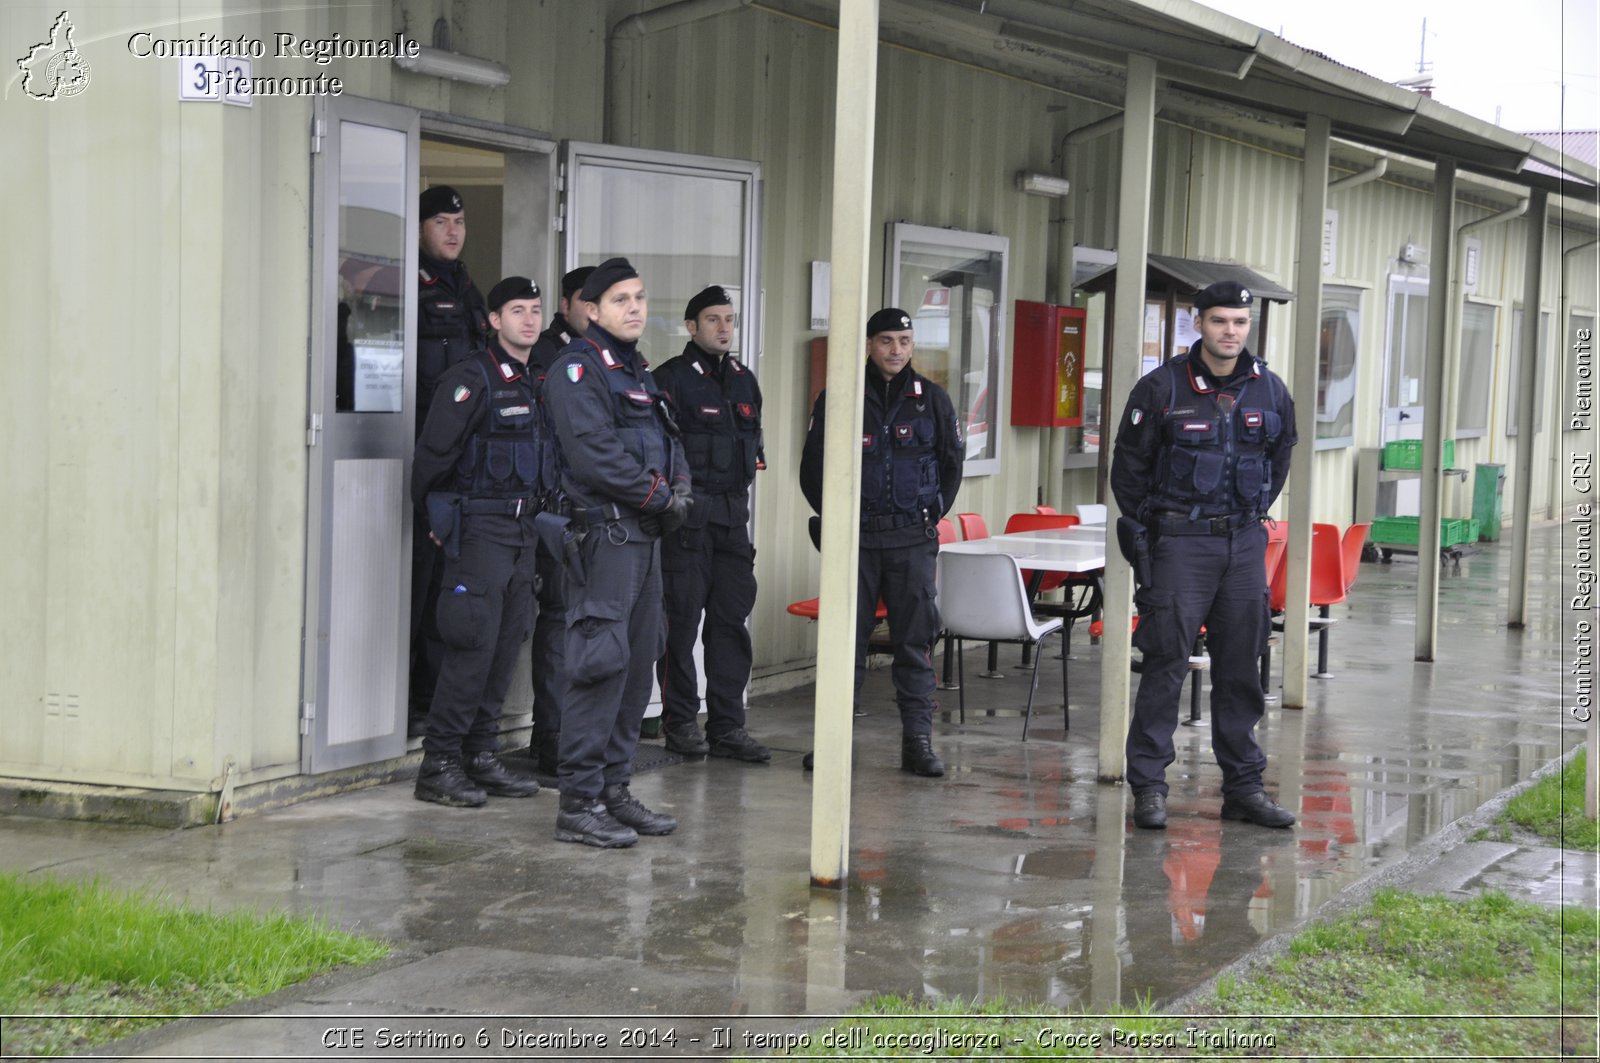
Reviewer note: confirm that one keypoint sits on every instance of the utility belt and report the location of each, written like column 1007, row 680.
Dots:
column 609, row 514
column 526, row 505
column 896, row 521
column 1179, row 524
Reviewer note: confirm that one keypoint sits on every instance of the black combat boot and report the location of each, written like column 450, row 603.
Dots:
column 499, row 778
column 1150, row 810
column 917, row 756
column 627, row 810
column 544, row 749
column 585, row 819
column 685, row 739
column 442, row 780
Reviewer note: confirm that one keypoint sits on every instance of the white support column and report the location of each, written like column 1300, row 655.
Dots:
column 855, row 110
column 1440, row 268
column 1133, row 251
column 1307, row 342
column 1527, row 372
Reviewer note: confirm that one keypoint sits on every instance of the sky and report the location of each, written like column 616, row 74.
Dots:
column 1511, row 57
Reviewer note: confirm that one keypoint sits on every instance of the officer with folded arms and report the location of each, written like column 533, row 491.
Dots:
column 1201, row 454
column 625, row 483
column 483, row 469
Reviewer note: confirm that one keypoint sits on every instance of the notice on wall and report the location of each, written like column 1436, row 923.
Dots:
column 380, row 376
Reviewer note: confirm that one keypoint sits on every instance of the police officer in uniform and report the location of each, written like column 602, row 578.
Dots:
column 483, row 469
column 708, row 566
column 1201, row 454
column 452, row 322
column 911, row 463
column 550, row 625
column 626, row 484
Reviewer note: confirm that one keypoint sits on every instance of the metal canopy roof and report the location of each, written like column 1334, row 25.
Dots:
column 1217, row 70
column 1190, row 275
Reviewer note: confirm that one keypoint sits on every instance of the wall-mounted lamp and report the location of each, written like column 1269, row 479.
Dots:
column 1042, row 184
column 439, row 63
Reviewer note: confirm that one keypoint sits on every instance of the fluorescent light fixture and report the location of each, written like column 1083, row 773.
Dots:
column 436, row 62
column 1042, row 184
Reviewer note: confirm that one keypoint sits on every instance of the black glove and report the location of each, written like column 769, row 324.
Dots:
column 677, row 511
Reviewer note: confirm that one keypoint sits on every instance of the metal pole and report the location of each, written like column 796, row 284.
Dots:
column 1522, row 484
column 1133, row 251
column 1440, row 268
column 1307, row 344
column 855, row 108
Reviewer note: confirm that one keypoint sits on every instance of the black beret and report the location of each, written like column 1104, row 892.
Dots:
column 716, row 295
column 509, row 289
column 611, row 271
column 572, row 281
column 440, row 199
column 889, row 319
column 1230, row 294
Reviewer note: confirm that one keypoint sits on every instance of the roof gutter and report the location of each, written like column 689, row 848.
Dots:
column 630, row 29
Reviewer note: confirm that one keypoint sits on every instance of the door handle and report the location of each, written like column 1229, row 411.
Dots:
column 1404, row 416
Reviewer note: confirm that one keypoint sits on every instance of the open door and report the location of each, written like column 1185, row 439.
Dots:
column 362, row 407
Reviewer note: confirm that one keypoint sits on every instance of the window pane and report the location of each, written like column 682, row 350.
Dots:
column 1336, row 372
column 1477, row 366
column 1408, row 345
column 682, row 232
column 952, row 293
column 370, row 369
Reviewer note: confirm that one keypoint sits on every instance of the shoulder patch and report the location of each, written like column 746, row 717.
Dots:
column 462, row 393
column 574, row 371
column 1136, row 416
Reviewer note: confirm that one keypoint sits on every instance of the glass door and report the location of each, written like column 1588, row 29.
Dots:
column 361, row 402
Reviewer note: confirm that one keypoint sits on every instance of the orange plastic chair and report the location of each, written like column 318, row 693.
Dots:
column 1327, row 587
column 809, row 608
column 973, row 526
column 1354, row 541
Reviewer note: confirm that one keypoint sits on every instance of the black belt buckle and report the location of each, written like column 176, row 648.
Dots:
column 1221, row 525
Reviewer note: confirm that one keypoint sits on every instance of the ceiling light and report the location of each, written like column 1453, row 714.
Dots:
column 436, row 62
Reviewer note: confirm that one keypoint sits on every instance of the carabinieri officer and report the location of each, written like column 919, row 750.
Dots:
column 1201, row 455
column 483, row 469
column 626, row 484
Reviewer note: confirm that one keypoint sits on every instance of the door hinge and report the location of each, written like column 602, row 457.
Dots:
column 318, row 129
column 314, row 430
column 559, row 223
column 308, row 712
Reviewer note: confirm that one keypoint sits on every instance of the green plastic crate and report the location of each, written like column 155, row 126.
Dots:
column 1454, row 532
column 1407, row 454
column 1396, row 531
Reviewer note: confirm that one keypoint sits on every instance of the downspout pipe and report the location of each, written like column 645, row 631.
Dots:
column 634, row 28
column 1360, row 177
column 1457, row 290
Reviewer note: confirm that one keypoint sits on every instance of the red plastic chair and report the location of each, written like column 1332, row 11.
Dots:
column 1327, row 587
column 1047, row 511
column 1025, row 522
column 973, row 526
column 947, row 531
column 1354, row 541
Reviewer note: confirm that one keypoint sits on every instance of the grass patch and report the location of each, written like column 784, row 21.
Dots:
column 81, row 964
column 1405, row 976
column 1553, row 809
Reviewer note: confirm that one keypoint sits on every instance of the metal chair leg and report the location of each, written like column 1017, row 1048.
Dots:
column 1066, row 722
column 1027, row 715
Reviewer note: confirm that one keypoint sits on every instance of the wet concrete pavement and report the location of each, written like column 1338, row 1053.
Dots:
column 1016, row 874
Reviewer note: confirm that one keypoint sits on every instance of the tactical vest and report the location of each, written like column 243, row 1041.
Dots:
column 512, row 453
column 638, row 407
column 1215, row 442
column 900, row 463
column 720, row 425
column 450, row 325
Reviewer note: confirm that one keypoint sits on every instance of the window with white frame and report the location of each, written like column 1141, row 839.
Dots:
column 1476, row 371
column 1336, row 368
column 953, row 284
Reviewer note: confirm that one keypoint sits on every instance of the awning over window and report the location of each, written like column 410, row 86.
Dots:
column 1189, row 275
